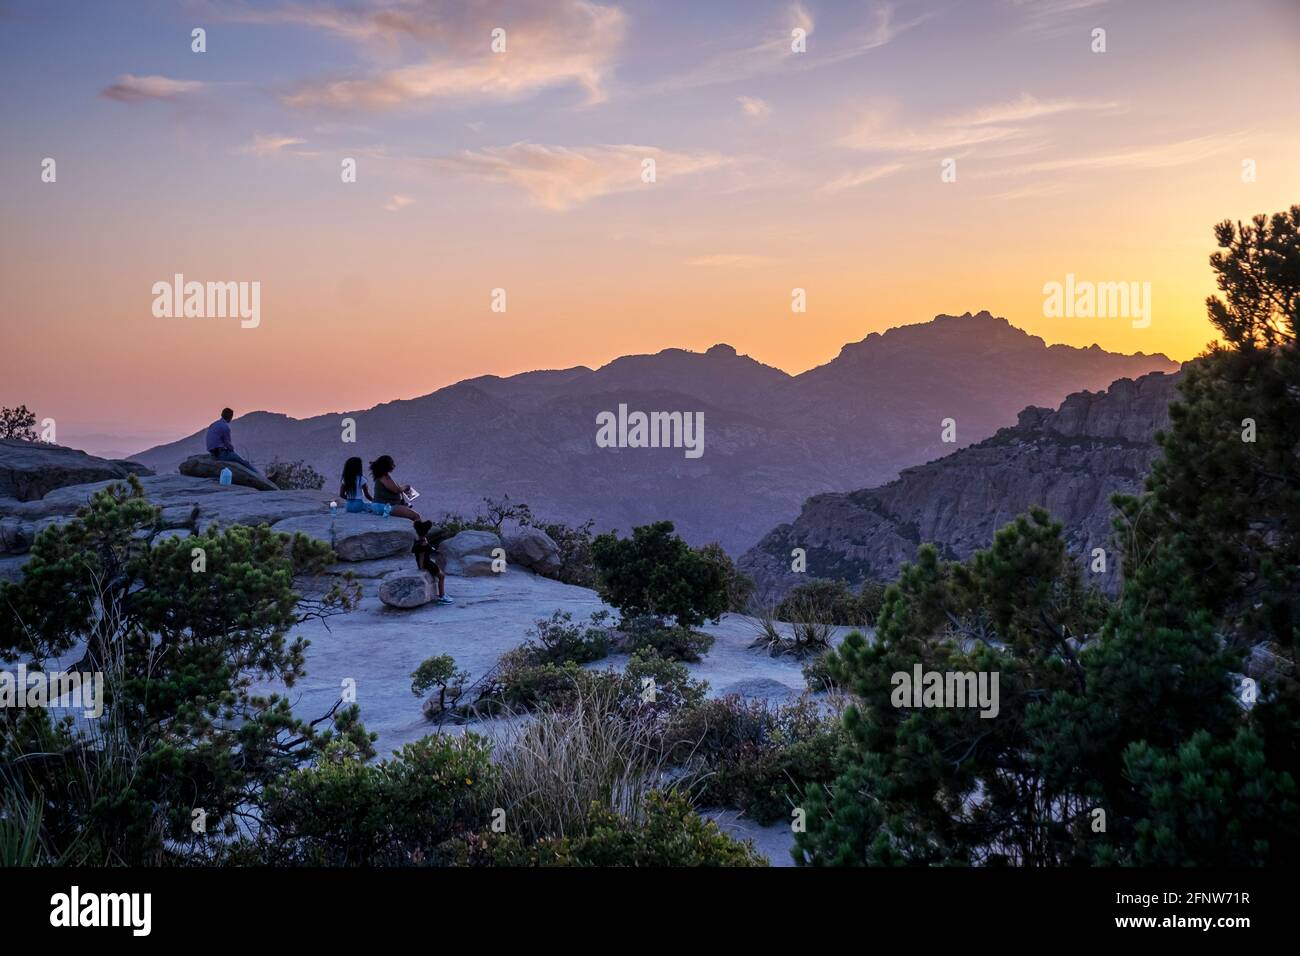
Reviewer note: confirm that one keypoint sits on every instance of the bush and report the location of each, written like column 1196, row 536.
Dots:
column 756, row 757
column 346, row 812
column 739, row 587
column 671, row 643
column 558, row 640
column 817, row 674
column 655, row 572
column 671, row 683
column 521, row 685
column 871, row 599
column 668, row 834
column 826, row 602
column 291, row 475
column 574, row 544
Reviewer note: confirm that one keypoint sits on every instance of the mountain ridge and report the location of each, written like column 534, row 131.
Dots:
column 772, row 439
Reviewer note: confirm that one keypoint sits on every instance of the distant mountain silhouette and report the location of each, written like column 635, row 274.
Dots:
column 771, row 439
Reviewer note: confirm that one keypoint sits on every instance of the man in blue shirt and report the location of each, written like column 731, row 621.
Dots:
column 219, row 443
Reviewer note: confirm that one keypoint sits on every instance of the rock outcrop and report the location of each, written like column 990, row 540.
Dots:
column 354, row 537
column 31, row 470
column 407, row 589
column 468, row 554
column 205, row 466
column 532, row 548
column 187, row 505
column 1069, row 461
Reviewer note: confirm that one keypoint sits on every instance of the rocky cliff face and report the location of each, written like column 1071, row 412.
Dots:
column 1070, row 461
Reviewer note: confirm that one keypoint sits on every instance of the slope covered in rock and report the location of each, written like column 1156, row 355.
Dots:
column 1069, row 461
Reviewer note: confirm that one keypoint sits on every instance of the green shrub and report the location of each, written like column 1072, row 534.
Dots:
column 574, row 544
column 558, row 640
column 669, row 834
column 672, row 685
column 817, row 674
column 346, row 812
column 871, row 599
column 521, row 685
column 739, row 587
column 751, row 755
column 656, row 572
column 823, row 601
column 671, row 643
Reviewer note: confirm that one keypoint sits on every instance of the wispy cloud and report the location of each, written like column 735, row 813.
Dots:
column 861, row 177
column 1054, row 17
column 1025, row 108
column 560, row 177
column 133, row 89
column 1153, row 156
column 548, row 43
column 398, row 202
column 770, row 50
column 879, row 131
column 269, row 145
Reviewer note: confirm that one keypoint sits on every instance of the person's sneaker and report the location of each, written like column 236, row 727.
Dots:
column 444, row 600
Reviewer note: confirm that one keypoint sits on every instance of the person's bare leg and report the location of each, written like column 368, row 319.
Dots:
column 442, row 582
column 404, row 512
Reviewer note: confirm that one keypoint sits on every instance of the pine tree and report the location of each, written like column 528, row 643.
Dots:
column 180, row 646
column 1123, row 741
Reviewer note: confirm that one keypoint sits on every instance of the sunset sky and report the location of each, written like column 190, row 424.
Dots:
column 522, row 170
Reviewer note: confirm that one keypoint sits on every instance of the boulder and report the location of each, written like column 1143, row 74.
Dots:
column 406, row 589
column 534, row 549
column 30, row 470
column 468, row 554
column 354, row 537
column 205, row 466
column 15, row 535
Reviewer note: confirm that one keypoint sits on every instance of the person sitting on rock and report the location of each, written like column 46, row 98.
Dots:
column 355, row 492
column 389, row 493
column 219, row 444
column 423, row 550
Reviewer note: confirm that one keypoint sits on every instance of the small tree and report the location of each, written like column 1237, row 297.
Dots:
column 438, row 672
column 496, row 513
column 18, row 423
column 291, row 475
column 656, row 572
